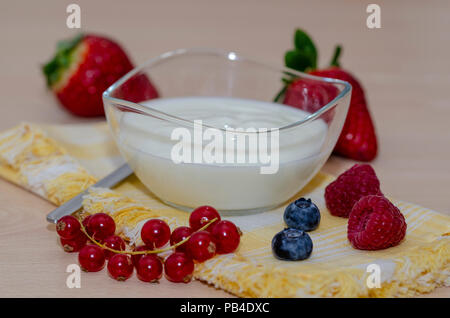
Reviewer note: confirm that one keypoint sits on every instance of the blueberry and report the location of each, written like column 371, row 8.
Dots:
column 302, row 215
column 292, row 244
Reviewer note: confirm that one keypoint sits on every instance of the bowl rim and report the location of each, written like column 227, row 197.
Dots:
column 229, row 55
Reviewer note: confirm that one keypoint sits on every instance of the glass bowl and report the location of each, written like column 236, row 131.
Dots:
column 213, row 135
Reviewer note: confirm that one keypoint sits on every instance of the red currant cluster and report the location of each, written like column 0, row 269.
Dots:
column 95, row 240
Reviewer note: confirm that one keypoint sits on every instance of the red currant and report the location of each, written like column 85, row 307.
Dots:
column 201, row 216
column 201, row 246
column 227, row 236
column 135, row 258
column 120, row 267
column 115, row 242
column 149, row 268
column 178, row 268
column 179, row 234
column 68, row 227
column 155, row 233
column 74, row 245
column 91, row 258
column 101, row 225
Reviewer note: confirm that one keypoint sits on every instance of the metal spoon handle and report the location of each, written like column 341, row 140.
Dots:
column 76, row 202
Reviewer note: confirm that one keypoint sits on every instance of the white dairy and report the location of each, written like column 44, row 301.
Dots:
column 145, row 142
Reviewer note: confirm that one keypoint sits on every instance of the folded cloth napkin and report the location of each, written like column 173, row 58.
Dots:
column 53, row 162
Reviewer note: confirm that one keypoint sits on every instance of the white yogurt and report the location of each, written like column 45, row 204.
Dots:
column 145, row 142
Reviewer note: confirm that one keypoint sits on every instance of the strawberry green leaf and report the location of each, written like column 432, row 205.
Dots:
column 69, row 44
column 61, row 61
column 297, row 60
column 302, row 58
column 335, row 58
column 303, row 42
column 287, row 80
column 280, row 94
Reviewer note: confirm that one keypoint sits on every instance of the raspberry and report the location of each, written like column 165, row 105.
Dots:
column 355, row 183
column 375, row 224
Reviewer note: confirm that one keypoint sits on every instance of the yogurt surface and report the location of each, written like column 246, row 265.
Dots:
column 146, row 143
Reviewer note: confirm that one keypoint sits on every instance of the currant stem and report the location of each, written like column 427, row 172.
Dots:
column 83, row 229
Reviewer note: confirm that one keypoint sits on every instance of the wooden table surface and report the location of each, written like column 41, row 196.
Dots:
column 404, row 67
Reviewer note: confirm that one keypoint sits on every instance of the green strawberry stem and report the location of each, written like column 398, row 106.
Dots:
column 280, row 94
column 335, row 58
column 304, row 54
column 62, row 60
column 303, row 58
column 287, row 81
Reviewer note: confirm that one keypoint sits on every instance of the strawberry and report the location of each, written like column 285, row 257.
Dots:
column 358, row 139
column 87, row 65
column 310, row 95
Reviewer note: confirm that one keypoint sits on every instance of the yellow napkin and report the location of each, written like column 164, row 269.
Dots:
column 52, row 161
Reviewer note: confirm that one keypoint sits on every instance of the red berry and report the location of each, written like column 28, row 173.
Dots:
column 101, row 225
column 91, row 258
column 355, row 183
column 201, row 246
column 135, row 258
column 120, row 267
column 310, row 95
column 227, row 237
column 115, row 242
column 178, row 268
column 201, row 216
column 68, row 227
column 86, row 66
column 375, row 223
column 179, row 234
column 149, row 268
column 358, row 139
column 155, row 233
column 74, row 245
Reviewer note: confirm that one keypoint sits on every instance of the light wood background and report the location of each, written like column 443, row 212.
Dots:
column 404, row 67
